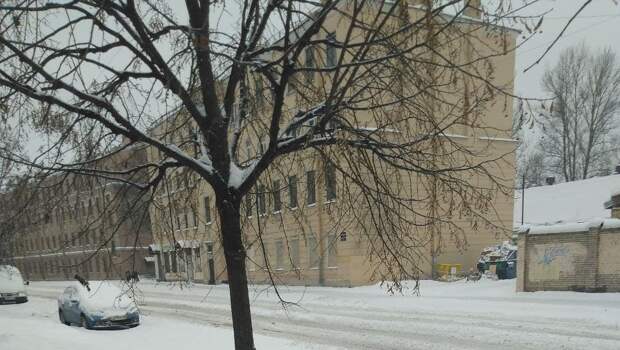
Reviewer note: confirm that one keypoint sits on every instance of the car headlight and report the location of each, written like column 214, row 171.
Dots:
column 22, row 294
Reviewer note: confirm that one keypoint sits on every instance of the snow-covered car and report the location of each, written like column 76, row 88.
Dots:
column 12, row 286
column 97, row 305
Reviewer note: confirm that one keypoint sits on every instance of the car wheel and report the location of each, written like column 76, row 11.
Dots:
column 84, row 322
column 61, row 317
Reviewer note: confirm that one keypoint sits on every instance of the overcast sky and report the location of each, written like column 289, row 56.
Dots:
column 598, row 26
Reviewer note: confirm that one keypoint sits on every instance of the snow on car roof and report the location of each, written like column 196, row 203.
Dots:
column 103, row 295
column 10, row 279
column 9, row 268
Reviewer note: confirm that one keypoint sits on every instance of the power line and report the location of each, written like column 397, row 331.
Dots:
column 577, row 31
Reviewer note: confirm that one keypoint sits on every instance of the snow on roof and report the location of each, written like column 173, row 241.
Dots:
column 567, row 227
column 566, row 202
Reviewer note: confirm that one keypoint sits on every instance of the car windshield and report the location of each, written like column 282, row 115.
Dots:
column 10, row 279
column 103, row 295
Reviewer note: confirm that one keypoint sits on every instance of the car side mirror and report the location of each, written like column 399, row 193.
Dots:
column 26, row 283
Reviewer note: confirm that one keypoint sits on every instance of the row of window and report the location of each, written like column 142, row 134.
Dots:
column 65, row 265
column 260, row 203
column 284, row 254
column 57, row 242
column 59, row 214
column 182, row 261
column 189, row 218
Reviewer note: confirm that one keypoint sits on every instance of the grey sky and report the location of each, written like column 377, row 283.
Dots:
column 598, row 26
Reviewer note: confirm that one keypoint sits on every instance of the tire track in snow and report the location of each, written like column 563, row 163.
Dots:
column 365, row 327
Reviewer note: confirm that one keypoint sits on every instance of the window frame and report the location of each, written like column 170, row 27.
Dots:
column 293, row 201
column 310, row 188
column 277, row 197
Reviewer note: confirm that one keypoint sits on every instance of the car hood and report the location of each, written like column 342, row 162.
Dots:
column 111, row 312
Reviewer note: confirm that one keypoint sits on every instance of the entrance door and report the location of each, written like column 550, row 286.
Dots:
column 211, row 263
column 190, row 264
column 161, row 274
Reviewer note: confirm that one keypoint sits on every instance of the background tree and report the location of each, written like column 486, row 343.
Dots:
column 380, row 103
column 578, row 126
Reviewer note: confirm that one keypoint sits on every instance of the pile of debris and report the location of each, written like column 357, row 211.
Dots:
column 499, row 260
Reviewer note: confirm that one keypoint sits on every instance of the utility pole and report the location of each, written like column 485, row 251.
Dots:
column 523, row 197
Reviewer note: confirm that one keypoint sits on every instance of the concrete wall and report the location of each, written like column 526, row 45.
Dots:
column 579, row 261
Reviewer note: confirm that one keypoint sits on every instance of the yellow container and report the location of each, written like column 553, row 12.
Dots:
column 448, row 269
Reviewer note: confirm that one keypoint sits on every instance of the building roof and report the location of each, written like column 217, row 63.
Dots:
column 572, row 227
column 567, row 202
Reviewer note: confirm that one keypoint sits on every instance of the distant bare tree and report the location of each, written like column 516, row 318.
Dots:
column 531, row 167
column 586, row 106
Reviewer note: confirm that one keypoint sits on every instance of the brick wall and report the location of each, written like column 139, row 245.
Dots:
column 579, row 261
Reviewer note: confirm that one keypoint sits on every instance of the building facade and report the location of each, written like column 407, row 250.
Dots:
column 71, row 224
column 303, row 223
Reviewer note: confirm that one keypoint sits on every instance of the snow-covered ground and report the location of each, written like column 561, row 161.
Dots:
column 458, row 315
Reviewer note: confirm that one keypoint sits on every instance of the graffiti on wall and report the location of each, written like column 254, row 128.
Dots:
column 552, row 253
column 550, row 261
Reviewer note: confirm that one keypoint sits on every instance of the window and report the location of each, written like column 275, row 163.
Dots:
column 277, row 200
column 313, row 252
column 332, row 251
column 330, row 181
column 259, row 93
column 262, row 206
column 197, row 260
column 293, row 247
column 330, row 50
column 207, row 203
column 183, row 261
column 309, row 63
column 173, row 260
column 167, row 261
column 310, row 187
column 292, row 191
column 261, row 145
column 251, row 257
column 248, row 149
column 195, row 141
column 279, row 255
column 186, row 220
column 248, row 205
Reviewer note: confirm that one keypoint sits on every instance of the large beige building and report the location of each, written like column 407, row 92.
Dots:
column 304, row 223
column 61, row 225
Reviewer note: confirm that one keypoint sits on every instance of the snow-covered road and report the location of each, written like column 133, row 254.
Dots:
column 459, row 315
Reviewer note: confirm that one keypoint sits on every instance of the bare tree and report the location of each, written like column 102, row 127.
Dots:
column 586, row 104
column 385, row 94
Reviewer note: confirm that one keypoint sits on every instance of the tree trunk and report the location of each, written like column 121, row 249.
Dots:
column 234, row 252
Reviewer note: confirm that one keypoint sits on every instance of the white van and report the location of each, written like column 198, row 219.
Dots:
column 12, row 286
